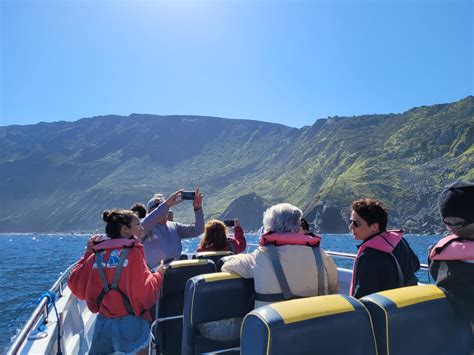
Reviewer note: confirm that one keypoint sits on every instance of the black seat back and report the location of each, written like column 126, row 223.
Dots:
column 330, row 325
column 417, row 320
column 215, row 256
column 210, row 298
column 170, row 304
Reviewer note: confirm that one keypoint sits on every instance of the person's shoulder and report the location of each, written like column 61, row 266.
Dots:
column 370, row 254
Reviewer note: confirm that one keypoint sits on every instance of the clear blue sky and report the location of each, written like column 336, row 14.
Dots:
column 289, row 62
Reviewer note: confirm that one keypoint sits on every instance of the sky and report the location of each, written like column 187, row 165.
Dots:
column 288, row 62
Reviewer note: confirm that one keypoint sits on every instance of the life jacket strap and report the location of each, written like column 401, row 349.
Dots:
column 321, row 270
column 285, row 288
column 401, row 278
column 116, row 279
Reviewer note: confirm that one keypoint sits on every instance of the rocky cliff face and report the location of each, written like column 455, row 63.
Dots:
column 58, row 177
column 249, row 209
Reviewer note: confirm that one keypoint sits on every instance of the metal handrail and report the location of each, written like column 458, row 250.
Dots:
column 345, row 255
column 40, row 310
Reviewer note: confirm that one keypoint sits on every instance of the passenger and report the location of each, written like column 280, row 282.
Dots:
column 162, row 238
column 384, row 259
column 215, row 238
column 113, row 278
column 305, row 226
column 170, row 216
column 139, row 209
column 287, row 264
column 451, row 260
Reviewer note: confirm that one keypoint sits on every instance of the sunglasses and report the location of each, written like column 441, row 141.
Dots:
column 354, row 223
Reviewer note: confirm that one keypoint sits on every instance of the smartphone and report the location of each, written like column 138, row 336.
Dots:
column 188, row 195
column 229, row 222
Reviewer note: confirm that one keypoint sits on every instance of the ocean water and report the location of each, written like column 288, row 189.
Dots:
column 31, row 263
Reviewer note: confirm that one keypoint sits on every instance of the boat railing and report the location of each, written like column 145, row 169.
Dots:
column 41, row 310
column 340, row 255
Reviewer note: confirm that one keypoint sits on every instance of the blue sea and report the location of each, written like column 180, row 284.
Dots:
column 31, row 263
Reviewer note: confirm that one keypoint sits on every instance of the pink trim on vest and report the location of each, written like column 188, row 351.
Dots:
column 385, row 242
column 289, row 239
column 115, row 244
column 453, row 249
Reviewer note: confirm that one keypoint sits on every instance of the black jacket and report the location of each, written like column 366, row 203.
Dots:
column 377, row 271
column 456, row 278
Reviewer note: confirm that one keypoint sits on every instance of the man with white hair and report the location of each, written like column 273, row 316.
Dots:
column 287, row 264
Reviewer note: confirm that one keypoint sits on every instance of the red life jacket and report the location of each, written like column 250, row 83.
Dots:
column 291, row 238
column 453, row 247
column 385, row 242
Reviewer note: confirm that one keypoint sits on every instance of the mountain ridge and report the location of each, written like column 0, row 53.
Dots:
column 65, row 173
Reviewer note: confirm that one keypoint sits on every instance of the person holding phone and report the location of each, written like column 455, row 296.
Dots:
column 215, row 237
column 162, row 237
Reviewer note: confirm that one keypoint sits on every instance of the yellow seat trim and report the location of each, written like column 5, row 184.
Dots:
column 408, row 296
column 184, row 263
column 219, row 276
column 302, row 309
column 214, row 253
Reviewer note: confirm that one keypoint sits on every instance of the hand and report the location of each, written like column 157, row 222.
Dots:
column 236, row 222
column 162, row 268
column 174, row 198
column 92, row 241
column 197, row 203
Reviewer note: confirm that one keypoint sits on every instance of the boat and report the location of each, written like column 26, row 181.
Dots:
column 417, row 318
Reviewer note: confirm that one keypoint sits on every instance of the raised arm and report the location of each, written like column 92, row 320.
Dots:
column 154, row 216
column 239, row 241
column 193, row 230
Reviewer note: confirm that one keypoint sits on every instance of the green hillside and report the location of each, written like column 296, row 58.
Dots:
column 59, row 176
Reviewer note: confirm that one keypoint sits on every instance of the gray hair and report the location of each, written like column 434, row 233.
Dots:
column 282, row 218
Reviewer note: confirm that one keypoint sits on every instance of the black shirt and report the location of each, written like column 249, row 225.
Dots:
column 377, row 271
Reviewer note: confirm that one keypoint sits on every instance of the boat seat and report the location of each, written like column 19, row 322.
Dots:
column 417, row 320
column 168, row 332
column 329, row 325
column 211, row 298
column 215, row 256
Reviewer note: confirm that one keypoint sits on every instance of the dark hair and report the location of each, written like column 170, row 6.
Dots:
column 139, row 209
column 115, row 219
column 214, row 235
column 372, row 211
column 304, row 224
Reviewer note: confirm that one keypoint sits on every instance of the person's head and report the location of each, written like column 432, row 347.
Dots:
column 121, row 224
column 282, row 218
column 305, row 225
column 456, row 207
column 368, row 217
column 139, row 209
column 214, row 235
column 170, row 215
column 154, row 202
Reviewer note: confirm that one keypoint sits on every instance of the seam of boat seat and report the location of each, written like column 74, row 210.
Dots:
column 371, row 327
column 386, row 326
column 192, row 302
column 266, row 325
